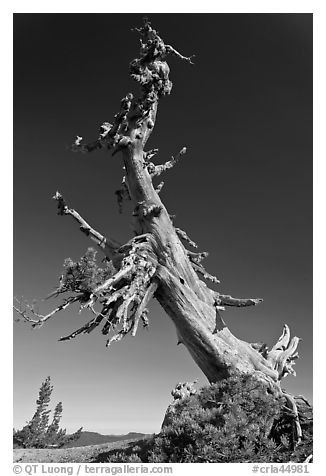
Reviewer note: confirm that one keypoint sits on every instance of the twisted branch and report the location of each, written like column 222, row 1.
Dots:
column 283, row 354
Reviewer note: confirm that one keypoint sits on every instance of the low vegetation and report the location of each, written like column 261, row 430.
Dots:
column 82, row 454
column 235, row 420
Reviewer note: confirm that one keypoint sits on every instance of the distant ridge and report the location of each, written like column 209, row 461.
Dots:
column 92, row 438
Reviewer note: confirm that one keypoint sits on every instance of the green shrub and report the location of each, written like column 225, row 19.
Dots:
column 84, row 275
column 235, row 420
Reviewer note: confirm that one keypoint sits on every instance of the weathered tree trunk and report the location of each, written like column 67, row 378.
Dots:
column 192, row 306
column 155, row 262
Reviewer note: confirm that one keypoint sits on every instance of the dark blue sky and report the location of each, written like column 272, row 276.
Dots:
column 243, row 191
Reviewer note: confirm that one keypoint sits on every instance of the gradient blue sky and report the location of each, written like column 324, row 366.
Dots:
column 243, row 192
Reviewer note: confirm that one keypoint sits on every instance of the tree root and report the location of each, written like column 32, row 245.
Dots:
column 282, row 357
column 283, row 354
column 292, row 407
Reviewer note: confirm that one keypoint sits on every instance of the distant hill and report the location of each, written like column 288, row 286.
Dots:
column 92, row 438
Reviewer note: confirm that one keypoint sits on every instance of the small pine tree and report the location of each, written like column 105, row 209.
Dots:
column 31, row 434
column 37, row 433
column 53, row 428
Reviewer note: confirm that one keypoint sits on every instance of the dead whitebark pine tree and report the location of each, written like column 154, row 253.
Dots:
column 155, row 262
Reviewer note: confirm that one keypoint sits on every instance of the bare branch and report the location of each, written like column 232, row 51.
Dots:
column 117, row 337
column 43, row 318
column 60, row 289
column 122, row 194
column 261, row 347
column 144, row 318
column 183, row 235
column 218, row 319
column 149, row 155
column 151, row 71
column 283, row 340
column 108, row 301
column 112, row 320
column 124, row 310
column 134, row 242
column 201, row 270
column 170, row 49
column 88, row 327
column 133, row 281
column 283, row 354
column 108, row 285
column 197, row 257
column 108, row 246
column 111, row 135
column 120, row 120
column 159, row 187
column 147, row 297
column 226, row 300
column 156, row 170
column 78, row 146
